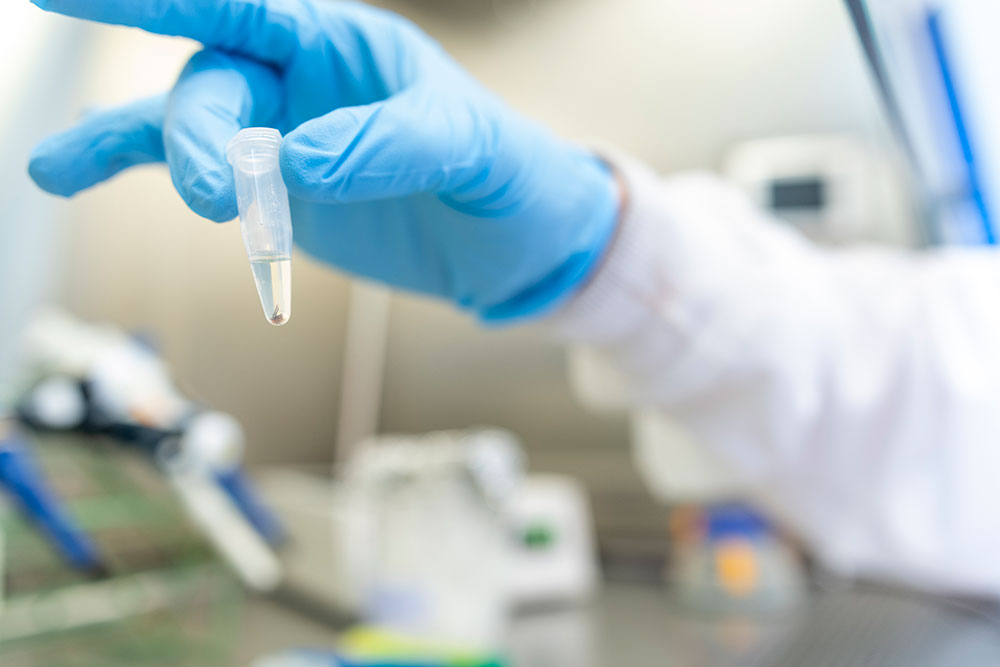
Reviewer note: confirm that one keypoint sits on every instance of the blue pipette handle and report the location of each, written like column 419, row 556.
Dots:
column 22, row 477
column 240, row 490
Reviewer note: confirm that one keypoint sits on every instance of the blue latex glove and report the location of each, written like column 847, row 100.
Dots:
column 401, row 167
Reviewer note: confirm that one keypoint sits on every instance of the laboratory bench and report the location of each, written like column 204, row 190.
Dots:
column 636, row 625
column 624, row 625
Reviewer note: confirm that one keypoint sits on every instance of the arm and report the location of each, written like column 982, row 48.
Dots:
column 858, row 392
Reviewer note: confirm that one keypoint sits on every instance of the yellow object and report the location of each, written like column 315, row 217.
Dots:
column 367, row 642
column 736, row 567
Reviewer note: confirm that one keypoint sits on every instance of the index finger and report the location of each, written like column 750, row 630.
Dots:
column 266, row 30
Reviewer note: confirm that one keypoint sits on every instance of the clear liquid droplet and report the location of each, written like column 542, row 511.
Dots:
column 273, row 276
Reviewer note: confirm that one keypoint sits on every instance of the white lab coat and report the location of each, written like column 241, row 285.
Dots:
column 855, row 392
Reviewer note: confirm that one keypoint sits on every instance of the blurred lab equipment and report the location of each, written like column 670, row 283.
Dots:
column 833, row 188
column 433, row 542
column 158, row 568
column 328, row 550
column 366, row 647
column 728, row 560
column 97, row 380
column 933, row 61
column 440, row 558
column 217, row 441
column 375, row 647
column 214, row 512
column 553, row 557
column 23, row 479
column 411, row 537
column 151, row 484
column 265, row 217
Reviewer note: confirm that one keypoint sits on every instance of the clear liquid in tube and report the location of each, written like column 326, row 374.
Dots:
column 273, row 276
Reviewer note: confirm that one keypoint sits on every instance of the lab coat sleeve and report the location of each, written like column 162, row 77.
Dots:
column 857, row 392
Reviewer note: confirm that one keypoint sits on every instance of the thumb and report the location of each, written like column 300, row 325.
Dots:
column 407, row 144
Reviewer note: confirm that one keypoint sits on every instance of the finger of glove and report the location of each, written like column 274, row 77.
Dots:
column 402, row 146
column 216, row 96
column 360, row 48
column 262, row 29
column 99, row 147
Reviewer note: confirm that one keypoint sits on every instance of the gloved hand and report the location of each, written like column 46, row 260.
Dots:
column 401, row 167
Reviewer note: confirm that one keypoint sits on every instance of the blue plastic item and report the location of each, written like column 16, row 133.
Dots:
column 734, row 520
column 239, row 488
column 22, row 478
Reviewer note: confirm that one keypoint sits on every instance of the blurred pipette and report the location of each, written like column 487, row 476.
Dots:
column 22, row 478
column 216, row 441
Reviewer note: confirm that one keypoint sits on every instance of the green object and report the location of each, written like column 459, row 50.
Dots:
column 538, row 536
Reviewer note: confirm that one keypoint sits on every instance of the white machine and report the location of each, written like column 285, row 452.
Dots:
column 553, row 549
column 438, row 535
column 833, row 188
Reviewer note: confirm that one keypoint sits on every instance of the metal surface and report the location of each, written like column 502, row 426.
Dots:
column 638, row 626
column 863, row 629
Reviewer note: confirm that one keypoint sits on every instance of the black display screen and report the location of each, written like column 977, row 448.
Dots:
column 798, row 194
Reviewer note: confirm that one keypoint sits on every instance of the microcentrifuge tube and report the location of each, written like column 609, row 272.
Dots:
column 265, row 219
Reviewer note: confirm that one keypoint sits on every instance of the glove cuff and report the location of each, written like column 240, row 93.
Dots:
column 558, row 286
